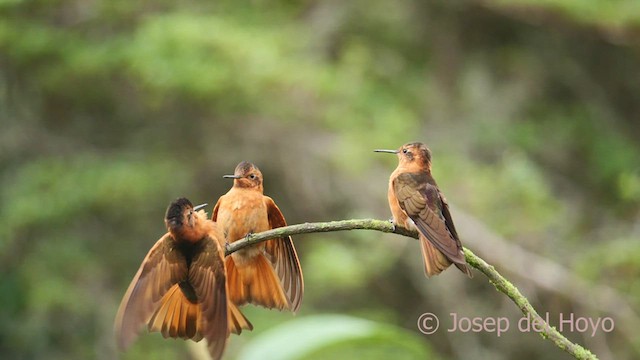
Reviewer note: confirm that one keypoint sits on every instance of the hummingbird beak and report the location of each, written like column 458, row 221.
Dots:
column 196, row 208
column 231, row 176
column 386, row 151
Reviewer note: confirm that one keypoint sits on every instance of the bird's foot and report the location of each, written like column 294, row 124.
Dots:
column 227, row 246
column 246, row 237
column 393, row 223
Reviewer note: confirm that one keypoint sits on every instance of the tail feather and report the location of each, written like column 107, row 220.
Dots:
column 255, row 282
column 173, row 318
column 176, row 317
column 237, row 320
column 465, row 269
column 435, row 261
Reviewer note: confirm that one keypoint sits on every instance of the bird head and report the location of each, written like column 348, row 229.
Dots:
column 182, row 216
column 415, row 154
column 246, row 175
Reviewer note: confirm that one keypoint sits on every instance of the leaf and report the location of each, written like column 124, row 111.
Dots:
column 335, row 337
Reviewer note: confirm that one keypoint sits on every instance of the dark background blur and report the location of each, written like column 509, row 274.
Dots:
column 111, row 109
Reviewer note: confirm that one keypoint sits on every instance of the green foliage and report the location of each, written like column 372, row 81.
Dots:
column 517, row 185
column 207, row 57
column 619, row 268
column 601, row 12
column 48, row 192
column 357, row 257
column 336, row 337
column 610, row 155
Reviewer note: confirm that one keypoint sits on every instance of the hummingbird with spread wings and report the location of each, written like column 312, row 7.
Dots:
column 267, row 273
column 180, row 289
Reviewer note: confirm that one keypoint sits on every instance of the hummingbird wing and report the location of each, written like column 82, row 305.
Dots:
column 420, row 198
column 214, row 213
column 207, row 277
column 284, row 259
column 161, row 268
column 214, row 217
column 448, row 220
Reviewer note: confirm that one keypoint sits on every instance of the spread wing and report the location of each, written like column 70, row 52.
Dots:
column 420, row 198
column 284, row 259
column 207, row 277
column 160, row 269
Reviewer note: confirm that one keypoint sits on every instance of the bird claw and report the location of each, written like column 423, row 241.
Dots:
column 246, row 237
column 227, row 246
column 393, row 223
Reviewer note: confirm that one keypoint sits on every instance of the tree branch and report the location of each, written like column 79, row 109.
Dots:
column 504, row 286
column 549, row 275
column 501, row 284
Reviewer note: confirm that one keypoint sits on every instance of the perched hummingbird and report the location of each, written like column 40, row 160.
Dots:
column 180, row 288
column 417, row 203
column 267, row 273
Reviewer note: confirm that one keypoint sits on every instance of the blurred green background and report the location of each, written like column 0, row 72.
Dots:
column 111, row 109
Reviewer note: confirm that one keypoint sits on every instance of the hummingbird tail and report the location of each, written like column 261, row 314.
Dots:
column 237, row 320
column 255, row 282
column 465, row 269
column 435, row 261
column 176, row 317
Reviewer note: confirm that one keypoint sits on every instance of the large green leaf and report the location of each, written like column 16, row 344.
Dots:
column 335, row 337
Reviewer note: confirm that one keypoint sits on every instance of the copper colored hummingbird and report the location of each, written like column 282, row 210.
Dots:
column 180, row 288
column 416, row 202
column 267, row 273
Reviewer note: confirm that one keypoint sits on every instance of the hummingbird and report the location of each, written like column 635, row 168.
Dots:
column 417, row 203
column 268, row 273
column 180, row 289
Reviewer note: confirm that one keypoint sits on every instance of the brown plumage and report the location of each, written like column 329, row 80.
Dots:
column 180, row 288
column 267, row 273
column 416, row 202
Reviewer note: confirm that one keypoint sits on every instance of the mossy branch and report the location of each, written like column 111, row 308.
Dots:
column 501, row 284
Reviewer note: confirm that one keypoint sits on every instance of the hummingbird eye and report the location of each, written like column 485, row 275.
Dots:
column 404, row 151
column 252, row 176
